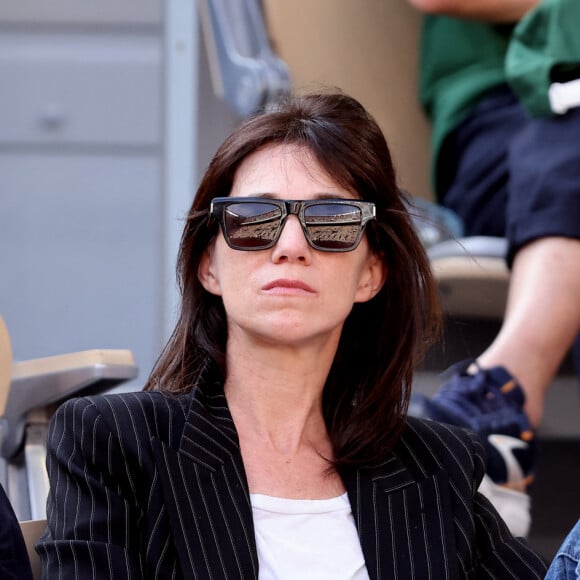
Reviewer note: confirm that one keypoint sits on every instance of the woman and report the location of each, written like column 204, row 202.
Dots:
column 272, row 438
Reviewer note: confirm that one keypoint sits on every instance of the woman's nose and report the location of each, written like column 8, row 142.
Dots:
column 292, row 244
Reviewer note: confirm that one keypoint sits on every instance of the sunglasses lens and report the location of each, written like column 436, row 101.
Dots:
column 333, row 226
column 251, row 225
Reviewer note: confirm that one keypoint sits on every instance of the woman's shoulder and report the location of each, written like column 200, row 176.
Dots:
column 134, row 401
column 437, row 433
column 155, row 412
column 434, row 445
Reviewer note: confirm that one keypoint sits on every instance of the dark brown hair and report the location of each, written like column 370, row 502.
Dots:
column 367, row 391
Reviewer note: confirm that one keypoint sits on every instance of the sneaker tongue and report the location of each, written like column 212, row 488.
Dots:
column 458, row 368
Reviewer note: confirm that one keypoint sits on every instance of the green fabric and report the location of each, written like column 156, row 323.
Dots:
column 461, row 60
column 545, row 45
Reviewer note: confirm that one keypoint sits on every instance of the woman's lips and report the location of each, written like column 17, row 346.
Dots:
column 286, row 286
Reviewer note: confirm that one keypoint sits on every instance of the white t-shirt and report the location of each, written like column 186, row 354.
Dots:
column 307, row 539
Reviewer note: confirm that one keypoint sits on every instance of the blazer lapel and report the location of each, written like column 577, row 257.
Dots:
column 404, row 522
column 206, row 494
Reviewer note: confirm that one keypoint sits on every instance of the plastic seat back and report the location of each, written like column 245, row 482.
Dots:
column 32, row 530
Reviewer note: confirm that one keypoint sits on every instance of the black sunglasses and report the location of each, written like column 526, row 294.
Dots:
column 255, row 223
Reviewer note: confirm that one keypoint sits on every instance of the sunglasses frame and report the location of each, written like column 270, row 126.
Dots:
column 291, row 207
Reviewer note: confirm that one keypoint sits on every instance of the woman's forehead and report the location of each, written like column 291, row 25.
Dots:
column 283, row 169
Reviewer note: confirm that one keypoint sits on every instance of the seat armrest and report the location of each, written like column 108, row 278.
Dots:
column 39, row 383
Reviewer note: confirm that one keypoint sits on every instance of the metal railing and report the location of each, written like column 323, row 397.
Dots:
column 245, row 71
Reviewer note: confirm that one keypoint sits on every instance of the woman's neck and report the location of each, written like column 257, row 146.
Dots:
column 275, row 397
column 283, row 438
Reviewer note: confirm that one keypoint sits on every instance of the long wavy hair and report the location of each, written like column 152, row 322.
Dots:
column 367, row 391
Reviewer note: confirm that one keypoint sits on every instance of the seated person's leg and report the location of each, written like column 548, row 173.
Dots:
column 543, row 228
column 537, row 174
column 542, row 318
column 474, row 176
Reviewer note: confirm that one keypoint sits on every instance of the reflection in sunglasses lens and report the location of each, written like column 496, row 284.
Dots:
column 333, row 226
column 252, row 225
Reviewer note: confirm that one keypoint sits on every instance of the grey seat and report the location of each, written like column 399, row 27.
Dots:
column 30, row 391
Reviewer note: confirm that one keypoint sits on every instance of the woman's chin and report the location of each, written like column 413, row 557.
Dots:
column 296, row 335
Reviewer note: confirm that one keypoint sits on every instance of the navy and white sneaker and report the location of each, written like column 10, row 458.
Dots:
column 489, row 402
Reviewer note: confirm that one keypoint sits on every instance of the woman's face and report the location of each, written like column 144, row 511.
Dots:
column 291, row 293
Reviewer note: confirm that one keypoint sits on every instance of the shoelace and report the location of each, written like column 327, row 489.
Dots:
column 484, row 393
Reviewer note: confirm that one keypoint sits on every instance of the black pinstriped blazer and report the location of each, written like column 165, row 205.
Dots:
column 149, row 485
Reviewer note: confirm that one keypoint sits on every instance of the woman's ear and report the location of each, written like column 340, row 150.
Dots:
column 206, row 272
column 372, row 279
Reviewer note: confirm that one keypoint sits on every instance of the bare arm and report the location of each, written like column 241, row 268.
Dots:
column 486, row 10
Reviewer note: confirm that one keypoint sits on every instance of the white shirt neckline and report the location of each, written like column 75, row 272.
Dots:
column 310, row 539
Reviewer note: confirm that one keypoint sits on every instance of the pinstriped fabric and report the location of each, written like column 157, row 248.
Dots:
column 404, row 524
column 149, row 485
column 106, row 516
column 484, row 545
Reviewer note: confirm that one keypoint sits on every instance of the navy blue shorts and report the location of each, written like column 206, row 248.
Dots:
column 511, row 175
